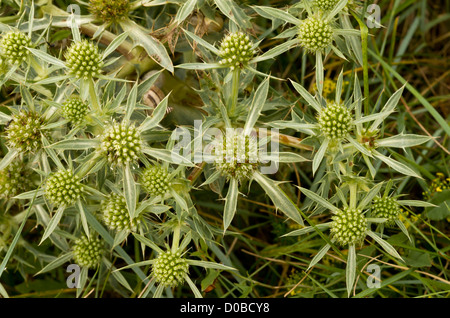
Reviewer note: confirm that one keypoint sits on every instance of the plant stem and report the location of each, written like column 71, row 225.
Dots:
column 235, row 90
column 176, row 238
column 353, row 191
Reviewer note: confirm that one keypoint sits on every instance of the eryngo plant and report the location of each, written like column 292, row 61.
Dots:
column 110, row 188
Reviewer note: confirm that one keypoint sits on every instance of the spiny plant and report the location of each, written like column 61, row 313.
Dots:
column 201, row 173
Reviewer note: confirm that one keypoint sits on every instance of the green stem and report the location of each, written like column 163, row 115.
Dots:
column 353, row 197
column 176, row 238
column 235, row 90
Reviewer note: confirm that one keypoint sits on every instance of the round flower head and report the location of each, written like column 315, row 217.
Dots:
column 315, row 34
column 121, row 143
column 24, row 132
column 83, row 59
column 63, row 188
column 88, row 252
column 236, row 50
column 14, row 47
column 156, row 180
column 348, row 226
column 116, row 215
column 335, row 121
column 75, row 110
column 110, row 11
column 439, row 184
column 325, row 5
column 236, row 155
column 170, row 269
column 386, row 208
column 15, row 179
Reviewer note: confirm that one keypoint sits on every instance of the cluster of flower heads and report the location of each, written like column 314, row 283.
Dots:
column 315, row 34
column 335, row 121
column 387, row 208
column 121, row 143
column 88, row 252
column 24, row 132
column 63, row 188
column 13, row 46
column 83, row 59
column 15, row 179
column 156, row 180
column 75, row 110
column 115, row 214
column 170, row 268
column 349, row 226
column 236, row 50
column 236, row 155
column 110, row 11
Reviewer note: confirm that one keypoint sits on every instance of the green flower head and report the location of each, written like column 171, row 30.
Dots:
column 88, row 252
column 121, row 143
column 14, row 45
column 386, row 208
column 63, row 188
column 170, row 269
column 15, row 179
column 75, row 110
column 335, row 121
column 83, row 60
column 236, row 155
column 349, row 226
column 315, row 34
column 115, row 214
column 156, row 180
column 236, row 50
column 24, row 132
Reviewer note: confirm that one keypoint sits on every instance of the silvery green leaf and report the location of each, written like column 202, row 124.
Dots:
column 202, row 42
column 385, row 245
column 75, row 144
column 4, row 118
column 131, row 103
column 157, row 115
column 317, row 160
column 278, row 197
column 350, row 270
column 397, row 166
column 231, row 199
column 320, row 254
column 30, row 194
column 148, row 243
column 359, row 147
column 84, row 223
column 57, row 262
column 403, row 141
column 191, row 284
column 185, row 11
column 403, row 228
column 350, row 32
column 168, row 156
column 10, row 156
column 301, row 127
column 287, row 157
column 274, row 13
column 376, row 220
column 211, row 265
column 307, row 96
column 277, row 50
column 53, row 223
column 308, row 229
column 388, row 108
column 416, row 203
column 114, row 44
column 180, row 200
column 319, row 72
column 315, row 197
column 116, row 274
column 129, row 188
column 233, row 12
column 200, row 66
column 256, row 106
column 120, row 237
column 149, row 43
column 337, row 8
